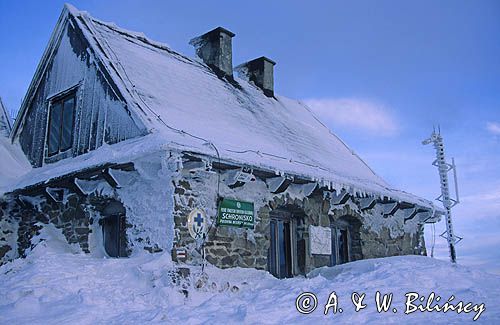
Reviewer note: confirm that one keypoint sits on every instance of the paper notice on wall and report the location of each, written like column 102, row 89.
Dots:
column 320, row 240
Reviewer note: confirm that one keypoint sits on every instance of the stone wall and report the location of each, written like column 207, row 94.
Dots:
column 160, row 194
column 231, row 247
column 8, row 233
column 71, row 216
column 77, row 216
column 225, row 246
column 144, row 191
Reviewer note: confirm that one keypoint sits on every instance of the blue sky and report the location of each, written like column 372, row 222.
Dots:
column 380, row 74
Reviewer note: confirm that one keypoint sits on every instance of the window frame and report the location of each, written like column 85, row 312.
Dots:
column 60, row 99
column 336, row 228
column 273, row 265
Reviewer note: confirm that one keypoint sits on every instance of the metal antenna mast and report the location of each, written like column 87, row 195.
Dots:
column 448, row 202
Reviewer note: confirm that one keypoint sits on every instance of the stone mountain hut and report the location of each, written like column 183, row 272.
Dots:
column 135, row 147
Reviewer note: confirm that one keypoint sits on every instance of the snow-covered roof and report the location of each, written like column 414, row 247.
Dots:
column 5, row 122
column 183, row 102
column 13, row 163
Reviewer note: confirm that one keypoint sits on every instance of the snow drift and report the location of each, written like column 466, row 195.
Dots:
column 57, row 284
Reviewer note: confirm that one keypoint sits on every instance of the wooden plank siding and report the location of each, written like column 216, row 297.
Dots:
column 100, row 115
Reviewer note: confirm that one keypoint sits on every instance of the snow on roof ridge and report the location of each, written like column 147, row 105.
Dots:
column 164, row 46
column 141, row 36
column 358, row 181
column 73, row 10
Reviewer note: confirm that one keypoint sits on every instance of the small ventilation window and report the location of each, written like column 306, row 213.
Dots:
column 61, row 122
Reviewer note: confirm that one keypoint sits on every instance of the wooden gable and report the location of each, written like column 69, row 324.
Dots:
column 101, row 114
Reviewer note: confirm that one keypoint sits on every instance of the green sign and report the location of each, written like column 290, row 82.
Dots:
column 236, row 214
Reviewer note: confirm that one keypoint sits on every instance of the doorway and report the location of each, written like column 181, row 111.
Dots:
column 280, row 261
column 340, row 245
column 346, row 240
column 114, row 230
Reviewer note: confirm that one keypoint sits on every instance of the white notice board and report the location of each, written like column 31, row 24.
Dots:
column 320, row 239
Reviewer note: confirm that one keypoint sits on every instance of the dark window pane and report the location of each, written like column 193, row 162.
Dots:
column 346, row 246
column 111, row 235
column 288, row 250
column 54, row 128
column 281, row 248
column 343, row 249
column 272, row 250
column 67, row 123
column 333, row 259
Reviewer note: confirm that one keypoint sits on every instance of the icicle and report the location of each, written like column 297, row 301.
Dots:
column 208, row 164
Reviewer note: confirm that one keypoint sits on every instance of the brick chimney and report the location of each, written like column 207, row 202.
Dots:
column 260, row 72
column 215, row 49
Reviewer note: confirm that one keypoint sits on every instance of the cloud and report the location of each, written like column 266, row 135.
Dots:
column 493, row 127
column 355, row 113
column 493, row 196
column 480, row 206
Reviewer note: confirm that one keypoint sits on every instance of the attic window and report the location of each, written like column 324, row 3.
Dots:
column 61, row 121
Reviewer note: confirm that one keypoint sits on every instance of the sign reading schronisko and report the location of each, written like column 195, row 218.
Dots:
column 236, row 214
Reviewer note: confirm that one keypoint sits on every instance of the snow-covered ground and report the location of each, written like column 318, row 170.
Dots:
column 56, row 284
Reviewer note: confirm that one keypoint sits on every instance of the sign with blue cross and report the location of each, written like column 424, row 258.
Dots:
column 197, row 224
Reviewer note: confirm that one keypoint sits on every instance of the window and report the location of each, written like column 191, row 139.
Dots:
column 61, row 120
column 340, row 245
column 280, row 249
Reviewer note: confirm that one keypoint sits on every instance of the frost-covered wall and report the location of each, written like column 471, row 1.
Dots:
column 101, row 116
column 372, row 234
column 160, row 191
column 146, row 194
